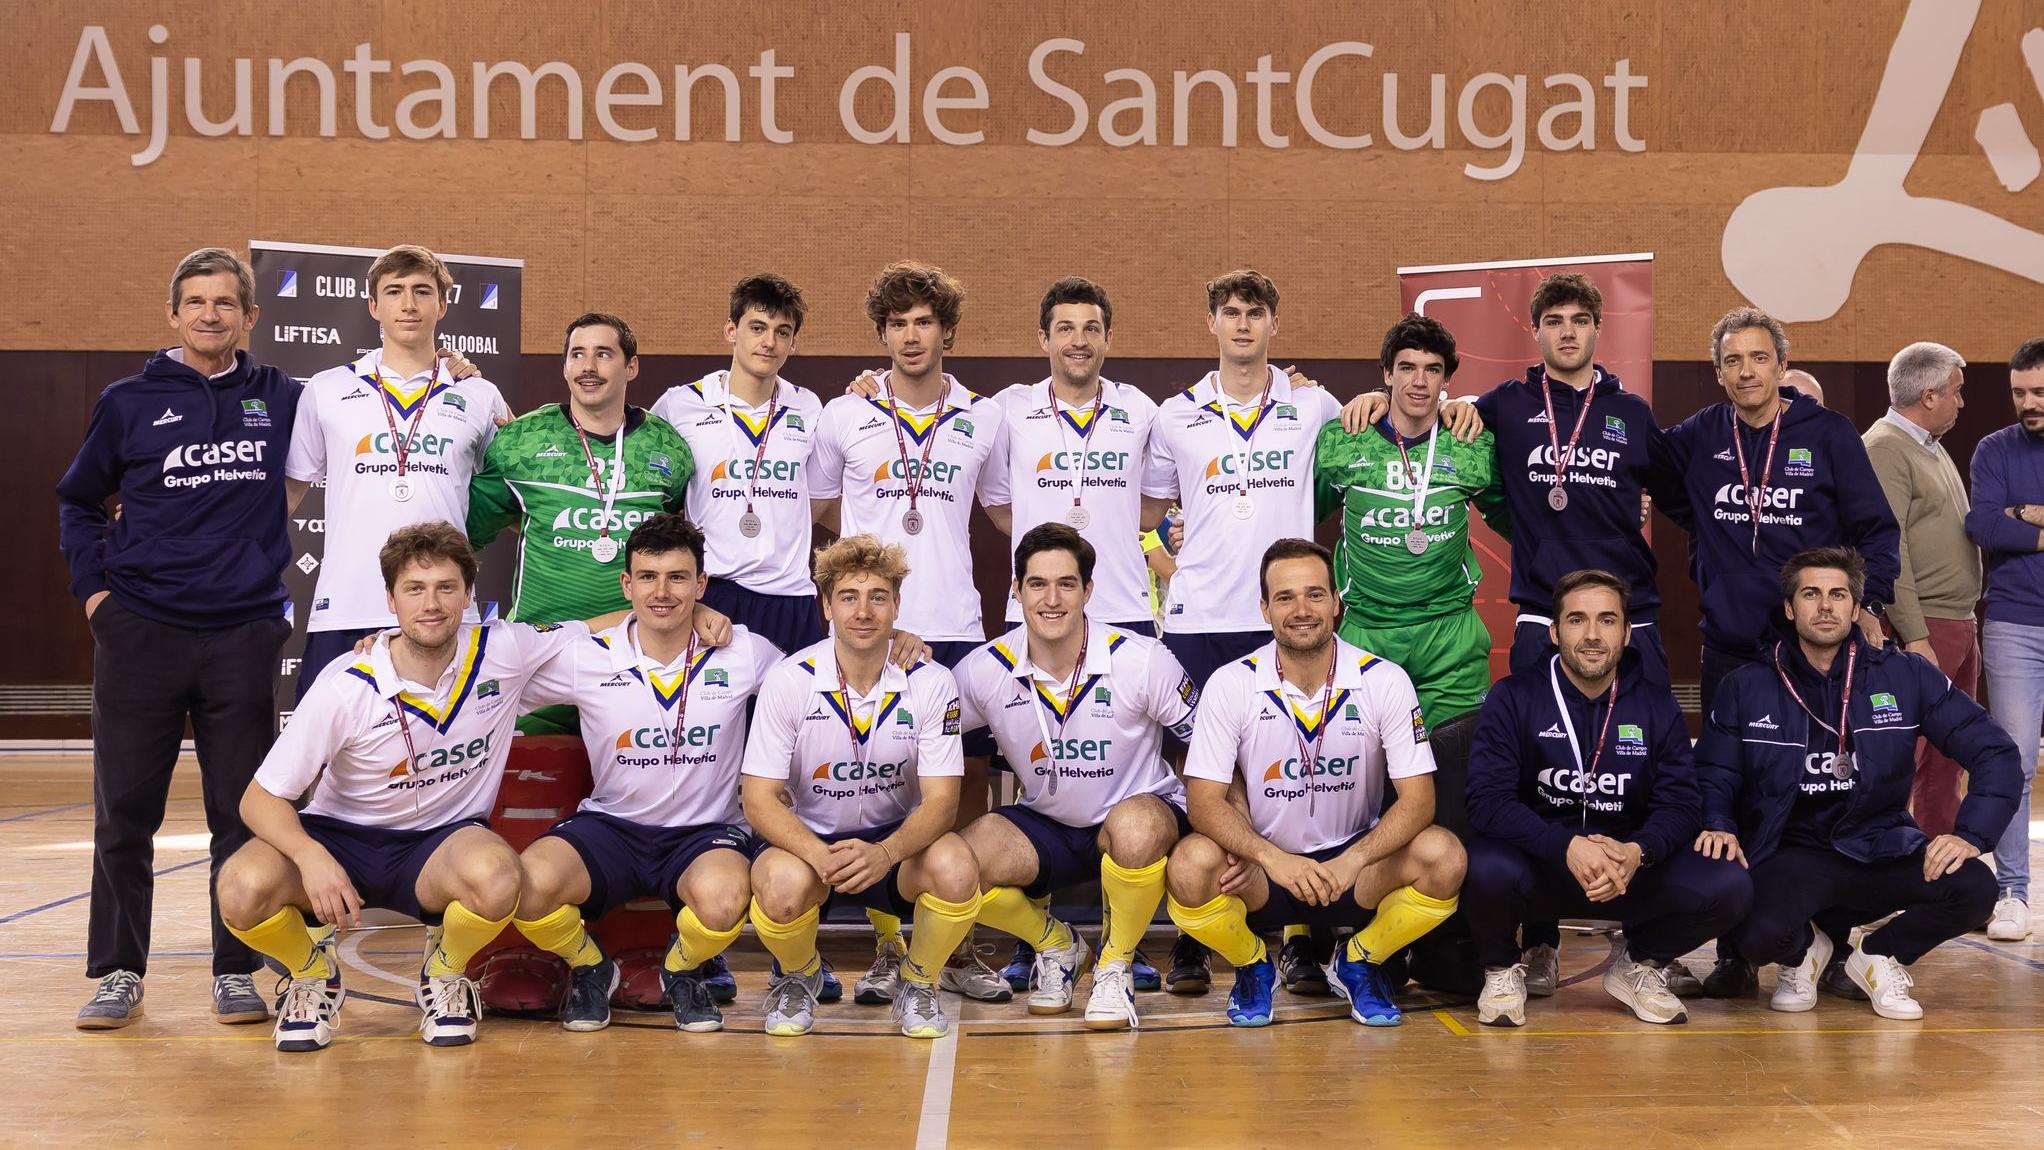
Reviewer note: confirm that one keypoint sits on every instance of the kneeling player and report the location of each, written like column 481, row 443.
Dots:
column 852, row 827
column 1305, row 720
column 402, row 752
column 1080, row 709
column 663, row 719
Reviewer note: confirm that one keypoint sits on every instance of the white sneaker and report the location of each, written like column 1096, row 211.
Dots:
column 306, row 1012
column 1795, row 987
column 1113, row 1005
column 450, row 1007
column 1055, row 975
column 1543, row 970
column 1503, row 1001
column 968, row 975
column 2011, row 921
column 1643, row 987
column 1886, row 982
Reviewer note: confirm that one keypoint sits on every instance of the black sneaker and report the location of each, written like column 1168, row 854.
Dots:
column 1019, row 965
column 1834, row 980
column 1191, row 971
column 716, row 974
column 589, row 989
column 1301, row 966
column 832, row 990
column 1730, row 978
column 695, row 1006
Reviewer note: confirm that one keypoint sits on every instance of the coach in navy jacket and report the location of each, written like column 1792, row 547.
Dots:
column 1825, row 832
column 184, row 596
column 1573, row 754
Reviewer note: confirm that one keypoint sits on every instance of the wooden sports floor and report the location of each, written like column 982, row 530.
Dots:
column 1581, row 1073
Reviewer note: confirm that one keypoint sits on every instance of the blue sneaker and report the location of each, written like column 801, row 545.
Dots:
column 1144, row 975
column 1364, row 986
column 716, row 974
column 1249, row 1002
column 832, row 991
column 1019, row 967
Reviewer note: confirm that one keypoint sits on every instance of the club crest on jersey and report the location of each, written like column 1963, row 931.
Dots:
column 1614, row 429
column 1886, row 709
column 1799, row 464
column 488, row 688
column 1632, row 740
column 255, row 413
column 794, row 422
column 454, row 401
column 716, row 677
column 659, row 462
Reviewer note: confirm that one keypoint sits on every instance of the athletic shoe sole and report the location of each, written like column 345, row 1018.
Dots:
column 1502, row 1019
column 590, row 1025
column 104, row 1023
column 1188, row 986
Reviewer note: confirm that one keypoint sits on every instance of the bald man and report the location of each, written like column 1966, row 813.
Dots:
column 1804, row 382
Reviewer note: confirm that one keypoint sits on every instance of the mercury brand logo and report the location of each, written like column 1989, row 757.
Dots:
column 1764, row 723
column 167, row 418
column 1554, row 731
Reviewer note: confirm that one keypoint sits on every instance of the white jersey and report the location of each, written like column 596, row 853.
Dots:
column 1102, row 748
column 757, row 457
column 1048, row 456
column 1252, row 721
column 1213, row 452
column 631, row 709
column 859, row 460
column 343, row 434
column 803, row 733
column 346, row 740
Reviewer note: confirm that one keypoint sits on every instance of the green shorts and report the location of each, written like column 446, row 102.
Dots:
column 1448, row 659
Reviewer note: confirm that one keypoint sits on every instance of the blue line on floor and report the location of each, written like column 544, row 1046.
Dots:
column 1998, row 952
column 69, row 899
column 45, row 811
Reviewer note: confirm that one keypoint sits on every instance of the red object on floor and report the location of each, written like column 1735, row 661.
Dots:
column 545, row 778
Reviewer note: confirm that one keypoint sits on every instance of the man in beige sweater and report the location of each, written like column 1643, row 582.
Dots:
column 1932, row 614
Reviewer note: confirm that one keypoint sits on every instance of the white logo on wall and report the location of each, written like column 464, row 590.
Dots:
column 307, row 563
column 1793, row 251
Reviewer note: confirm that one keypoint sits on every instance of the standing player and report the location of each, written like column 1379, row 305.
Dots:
column 1080, row 708
column 1237, row 450
column 399, row 756
column 396, row 441
column 753, row 501
column 1308, row 719
column 871, row 822
column 663, row 719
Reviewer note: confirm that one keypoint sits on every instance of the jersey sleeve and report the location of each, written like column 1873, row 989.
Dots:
column 487, row 433
column 1170, row 696
column 492, row 505
column 318, row 727
column 827, row 455
column 973, row 693
column 770, row 743
column 940, row 752
column 995, row 486
column 1216, row 732
column 1332, row 455
column 1160, row 467
column 1401, row 728
column 306, row 460
column 544, row 654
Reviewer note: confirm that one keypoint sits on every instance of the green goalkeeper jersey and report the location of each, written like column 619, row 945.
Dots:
column 1382, row 582
column 536, row 476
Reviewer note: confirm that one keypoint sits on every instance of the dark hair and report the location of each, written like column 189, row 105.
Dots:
column 902, row 286
column 1075, row 289
column 423, row 543
column 1246, row 284
column 771, row 294
column 1419, row 333
column 2028, row 356
column 1292, row 549
column 1835, row 558
column 626, row 341
column 1577, row 580
column 1567, row 287
column 1053, row 537
column 663, row 533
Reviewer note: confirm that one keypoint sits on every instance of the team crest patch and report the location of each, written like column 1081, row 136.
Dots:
column 964, row 427
column 1102, row 695
column 951, row 718
column 454, row 401
column 488, row 688
column 794, row 422
column 1632, row 740
column 1886, row 709
column 1614, row 429
column 1284, row 411
column 543, row 628
column 716, row 677
column 902, row 718
column 1348, row 711
column 1799, row 463
column 659, row 462
column 1419, row 727
column 1117, row 415
column 255, row 413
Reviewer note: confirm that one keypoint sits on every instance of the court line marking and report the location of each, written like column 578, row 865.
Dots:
column 45, row 811
column 933, row 1127
column 69, row 899
column 1454, row 1027
column 1998, row 952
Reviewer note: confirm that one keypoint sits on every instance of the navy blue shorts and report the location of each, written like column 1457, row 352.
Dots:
column 1282, row 909
column 790, row 622
column 1147, row 628
column 884, row 896
column 323, row 647
column 628, row 860
column 383, row 864
column 979, row 744
column 1065, row 855
column 1203, row 654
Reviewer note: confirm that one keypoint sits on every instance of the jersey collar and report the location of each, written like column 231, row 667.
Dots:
column 823, row 661
column 1350, row 664
column 380, row 673
column 1012, row 651
column 715, row 390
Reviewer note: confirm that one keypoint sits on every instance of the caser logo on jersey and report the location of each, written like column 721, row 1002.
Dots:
column 847, row 771
column 467, row 757
column 746, row 471
column 1594, row 458
column 661, row 738
column 1323, row 767
column 1083, row 461
column 593, row 519
column 213, row 454
column 935, row 471
column 1271, row 459
column 425, row 444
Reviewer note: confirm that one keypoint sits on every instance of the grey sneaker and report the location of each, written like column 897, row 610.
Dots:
column 967, row 974
column 235, row 1000
column 1543, row 969
column 876, row 986
column 116, row 1003
column 919, row 1011
column 791, row 1004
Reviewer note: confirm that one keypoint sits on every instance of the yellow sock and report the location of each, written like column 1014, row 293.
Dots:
column 1007, row 909
column 1132, row 898
column 940, row 927
column 1223, row 925
column 284, row 937
column 1402, row 916
column 561, row 932
column 793, row 944
column 887, row 926
column 1297, row 930
column 462, row 933
column 694, row 943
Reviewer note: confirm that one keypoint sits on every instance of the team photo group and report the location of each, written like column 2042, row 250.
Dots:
column 1183, row 675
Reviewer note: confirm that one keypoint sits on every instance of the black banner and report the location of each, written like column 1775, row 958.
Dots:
column 315, row 315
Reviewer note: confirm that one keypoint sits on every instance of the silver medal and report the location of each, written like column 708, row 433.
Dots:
column 748, row 525
column 604, row 548
column 1416, row 541
column 1244, row 507
column 1557, row 498
column 1841, row 766
column 401, row 489
column 1078, row 517
column 912, row 521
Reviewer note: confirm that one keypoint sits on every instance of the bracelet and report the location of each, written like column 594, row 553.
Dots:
column 885, row 851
